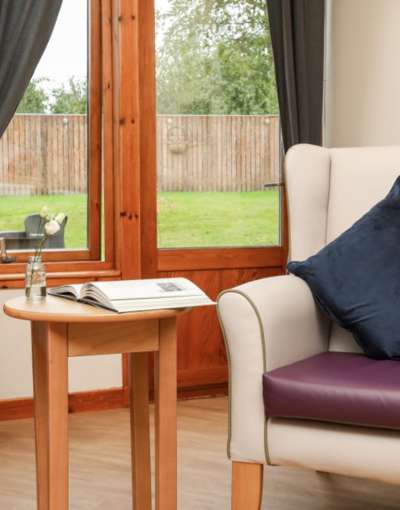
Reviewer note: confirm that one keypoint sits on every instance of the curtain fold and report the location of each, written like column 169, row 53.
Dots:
column 297, row 34
column 25, row 29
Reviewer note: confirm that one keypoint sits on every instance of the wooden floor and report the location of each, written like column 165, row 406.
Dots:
column 100, row 476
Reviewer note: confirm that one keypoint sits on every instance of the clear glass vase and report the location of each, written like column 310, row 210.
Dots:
column 35, row 279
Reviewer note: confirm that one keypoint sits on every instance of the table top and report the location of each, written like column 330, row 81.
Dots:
column 54, row 309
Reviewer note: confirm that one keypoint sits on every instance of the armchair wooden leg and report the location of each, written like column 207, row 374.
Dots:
column 247, row 486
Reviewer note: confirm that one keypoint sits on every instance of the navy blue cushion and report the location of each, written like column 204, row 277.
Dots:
column 356, row 278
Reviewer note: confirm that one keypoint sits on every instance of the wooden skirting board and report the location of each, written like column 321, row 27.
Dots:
column 113, row 398
column 99, row 400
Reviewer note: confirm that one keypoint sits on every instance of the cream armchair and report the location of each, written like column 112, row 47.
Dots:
column 274, row 322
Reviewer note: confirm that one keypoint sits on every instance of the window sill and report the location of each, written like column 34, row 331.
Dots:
column 51, row 255
column 58, row 276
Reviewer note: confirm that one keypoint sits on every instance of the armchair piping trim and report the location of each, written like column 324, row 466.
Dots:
column 263, row 345
column 329, row 198
column 286, row 181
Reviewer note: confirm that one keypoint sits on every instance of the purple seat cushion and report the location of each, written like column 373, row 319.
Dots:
column 336, row 387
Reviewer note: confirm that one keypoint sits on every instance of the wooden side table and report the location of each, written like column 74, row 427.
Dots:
column 62, row 329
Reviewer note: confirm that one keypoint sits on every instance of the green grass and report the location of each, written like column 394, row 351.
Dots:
column 218, row 219
column 184, row 220
column 14, row 210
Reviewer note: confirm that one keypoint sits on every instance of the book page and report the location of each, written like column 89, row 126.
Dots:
column 148, row 289
column 130, row 305
column 73, row 290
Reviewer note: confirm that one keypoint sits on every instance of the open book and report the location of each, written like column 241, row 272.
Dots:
column 136, row 295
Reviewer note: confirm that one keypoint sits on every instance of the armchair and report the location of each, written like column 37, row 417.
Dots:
column 301, row 392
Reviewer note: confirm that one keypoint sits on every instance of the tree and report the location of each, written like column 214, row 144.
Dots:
column 70, row 97
column 215, row 57
column 35, row 99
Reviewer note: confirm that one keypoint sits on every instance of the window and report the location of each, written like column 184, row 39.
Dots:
column 217, row 125
column 49, row 153
column 217, row 139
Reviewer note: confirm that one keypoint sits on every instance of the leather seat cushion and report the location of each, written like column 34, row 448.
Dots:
column 336, row 387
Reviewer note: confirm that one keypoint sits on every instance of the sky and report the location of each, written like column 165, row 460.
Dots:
column 66, row 53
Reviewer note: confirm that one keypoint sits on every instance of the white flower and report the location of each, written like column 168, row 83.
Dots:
column 45, row 213
column 51, row 227
column 60, row 217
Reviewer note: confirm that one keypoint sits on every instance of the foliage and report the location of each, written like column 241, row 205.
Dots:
column 35, row 99
column 70, row 97
column 67, row 98
column 215, row 57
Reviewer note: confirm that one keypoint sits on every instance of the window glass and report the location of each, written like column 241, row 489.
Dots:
column 217, row 125
column 43, row 153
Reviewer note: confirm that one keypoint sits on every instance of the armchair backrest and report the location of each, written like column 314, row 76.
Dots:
column 34, row 224
column 327, row 191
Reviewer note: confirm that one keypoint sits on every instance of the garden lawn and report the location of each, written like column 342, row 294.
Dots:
column 218, row 219
column 185, row 219
column 14, row 210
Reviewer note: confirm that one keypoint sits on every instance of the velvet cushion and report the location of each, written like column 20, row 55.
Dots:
column 356, row 278
column 336, row 387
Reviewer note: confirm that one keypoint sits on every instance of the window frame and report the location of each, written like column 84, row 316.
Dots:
column 123, row 88
column 87, row 262
column 232, row 257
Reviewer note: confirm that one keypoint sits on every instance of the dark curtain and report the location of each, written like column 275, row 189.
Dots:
column 25, row 29
column 297, row 33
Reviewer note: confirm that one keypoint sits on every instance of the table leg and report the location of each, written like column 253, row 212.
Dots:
column 165, row 414
column 50, row 382
column 140, row 430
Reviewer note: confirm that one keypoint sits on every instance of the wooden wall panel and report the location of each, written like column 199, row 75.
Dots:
column 201, row 350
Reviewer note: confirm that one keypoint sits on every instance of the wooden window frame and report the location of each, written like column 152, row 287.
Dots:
column 123, row 150
column 83, row 264
column 170, row 260
column 192, row 259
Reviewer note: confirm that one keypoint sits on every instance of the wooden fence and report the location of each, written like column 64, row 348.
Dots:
column 217, row 153
column 47, row 154
column 44, row 154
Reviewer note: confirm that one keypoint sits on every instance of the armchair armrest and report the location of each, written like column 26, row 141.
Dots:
column 267, row 323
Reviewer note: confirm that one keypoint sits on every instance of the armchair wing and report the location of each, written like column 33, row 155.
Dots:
column 267, row 323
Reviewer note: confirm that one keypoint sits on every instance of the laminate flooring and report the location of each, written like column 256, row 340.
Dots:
column 100, row 467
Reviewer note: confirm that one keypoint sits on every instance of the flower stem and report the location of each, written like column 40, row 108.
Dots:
column 36, row 257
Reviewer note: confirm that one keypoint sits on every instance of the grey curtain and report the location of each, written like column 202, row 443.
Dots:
column 25, row 29
column 297, row 33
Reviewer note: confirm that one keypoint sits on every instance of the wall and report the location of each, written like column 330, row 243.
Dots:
column 87, row 373
column 363, row 73
column 362, row 108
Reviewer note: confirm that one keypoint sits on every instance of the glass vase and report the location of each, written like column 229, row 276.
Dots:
column 35, row 280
